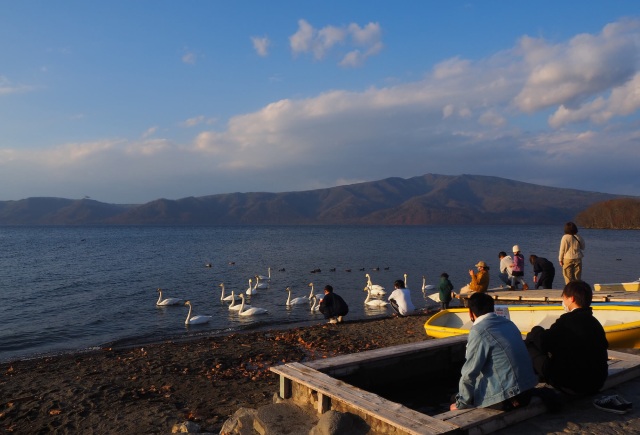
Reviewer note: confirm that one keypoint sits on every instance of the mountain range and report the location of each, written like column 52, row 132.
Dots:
column 429, row 199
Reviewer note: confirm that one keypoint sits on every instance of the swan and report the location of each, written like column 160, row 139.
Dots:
column 165, row 302
column 231, row 297
column 315, row 306
column 265, row 278
column 195, row 320
column 251, row 290
column 376, row 290
column 234, row 306
column 405, row 280
column 253, row 311
column 296, row 301
column 370, row 302
column 260, row 284
column 311, row 294
column 426, row 286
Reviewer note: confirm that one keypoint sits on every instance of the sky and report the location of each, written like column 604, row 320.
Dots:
column 130, row 101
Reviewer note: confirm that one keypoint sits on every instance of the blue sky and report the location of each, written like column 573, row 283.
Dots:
column 130, row 101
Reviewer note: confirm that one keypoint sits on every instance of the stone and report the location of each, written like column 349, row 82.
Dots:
column 186, row 427
column 240, row 423
column 283, row 419
column 333, row 423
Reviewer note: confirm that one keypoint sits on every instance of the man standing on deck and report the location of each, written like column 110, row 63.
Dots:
column 497, row 372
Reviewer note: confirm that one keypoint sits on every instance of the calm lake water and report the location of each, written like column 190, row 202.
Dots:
column 68, row 289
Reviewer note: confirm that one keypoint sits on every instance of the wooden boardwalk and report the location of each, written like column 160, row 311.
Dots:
column 554, row 295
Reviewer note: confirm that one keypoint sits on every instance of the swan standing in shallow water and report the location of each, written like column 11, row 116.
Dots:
column 195, row 320
column 376, row 290
column 251, row 290
column 234, row 306
column 231, row 297
column 370, row 302
column 311, row 294
column 296, row 301
column 265, row 278
column 426, row 287
column 315, row 306
column 253, row 311
column 166, row 302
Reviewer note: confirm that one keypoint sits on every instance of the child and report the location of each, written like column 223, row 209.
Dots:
column 446, row 288
column 517, row 269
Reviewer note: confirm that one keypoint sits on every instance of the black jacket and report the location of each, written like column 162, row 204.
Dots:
column 577, row 348
column 333, row 305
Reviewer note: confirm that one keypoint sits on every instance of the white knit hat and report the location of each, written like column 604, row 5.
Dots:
column 516, row 248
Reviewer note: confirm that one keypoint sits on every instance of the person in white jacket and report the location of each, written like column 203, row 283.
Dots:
column 400, row 299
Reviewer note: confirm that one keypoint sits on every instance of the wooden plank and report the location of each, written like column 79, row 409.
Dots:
column 384, row 410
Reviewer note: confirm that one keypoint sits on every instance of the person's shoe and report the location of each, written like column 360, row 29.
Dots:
column 525, row 287
column 611, row 404
column 333, row 321
column 624, row 401
column 339, row 319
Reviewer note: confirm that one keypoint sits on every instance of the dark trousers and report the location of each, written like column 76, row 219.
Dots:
column 395, row 307
column 545, row 280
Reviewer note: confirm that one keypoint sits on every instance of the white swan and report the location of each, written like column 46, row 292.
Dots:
column 253, row 311
column 195, row 320
column 251, row 290
column 296, row 301
column 376, row 290
column 234, row 306
column 370, row 302
column 261, row 285
column 315, row 306
column 231, row 297
column 405, row 281
column 268, row 277
column 311, row 294
column 426, row 286
column 165, row 302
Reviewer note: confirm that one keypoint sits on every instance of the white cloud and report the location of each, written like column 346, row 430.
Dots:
column 360, row 42
column 7, row 87
column 261, row 45
column 189, row 58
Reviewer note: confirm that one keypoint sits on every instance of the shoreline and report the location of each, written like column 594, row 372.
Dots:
column 149, row 388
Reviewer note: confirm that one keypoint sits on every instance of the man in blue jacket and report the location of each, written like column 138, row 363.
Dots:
column 498, row 372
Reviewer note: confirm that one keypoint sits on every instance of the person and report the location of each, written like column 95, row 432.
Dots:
column 479, row 281
column 445, row 287
column 333, row 306
column 546, row 270
column 505, row 268
column 517, row 269
column 572, row 354
column 497, row 372
column 400, row 299
column 570, row 255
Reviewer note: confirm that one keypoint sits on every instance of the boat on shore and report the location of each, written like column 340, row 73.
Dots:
column 633, row 286
column 621, row 322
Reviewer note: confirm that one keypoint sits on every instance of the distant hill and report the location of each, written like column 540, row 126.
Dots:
column 425, row 200
column 621, row 214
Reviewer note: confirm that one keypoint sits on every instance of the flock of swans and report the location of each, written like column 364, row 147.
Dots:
column 374, row 299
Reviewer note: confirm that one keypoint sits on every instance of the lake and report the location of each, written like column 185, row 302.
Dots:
column 66, row 289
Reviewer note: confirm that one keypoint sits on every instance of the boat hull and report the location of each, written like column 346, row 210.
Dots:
column 618, row 287
column 621, row 322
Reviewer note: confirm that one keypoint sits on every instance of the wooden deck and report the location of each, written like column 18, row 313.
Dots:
column 554, row 295
column 316, row 384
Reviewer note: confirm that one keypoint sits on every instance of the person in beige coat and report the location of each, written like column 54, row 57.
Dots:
column 570, row 255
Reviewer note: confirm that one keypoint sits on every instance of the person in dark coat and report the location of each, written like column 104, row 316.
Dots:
column 546, row 270
column 333, row 306
column 445, row 288
column 572, row 354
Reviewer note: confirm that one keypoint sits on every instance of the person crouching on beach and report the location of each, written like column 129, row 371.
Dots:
column 333, row 306
column 546, row 270
column 400, row 299
column 497, row 373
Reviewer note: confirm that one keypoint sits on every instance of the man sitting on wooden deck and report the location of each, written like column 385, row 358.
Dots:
column 572, row 354
column 497, row 372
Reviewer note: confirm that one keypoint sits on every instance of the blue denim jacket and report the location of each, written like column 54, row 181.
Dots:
column 498, row 365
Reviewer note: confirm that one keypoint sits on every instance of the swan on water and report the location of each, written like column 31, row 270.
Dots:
column 261, row 285
column 253, row 311
column 315, row 306
column 376, row 290
column 165, row 302
column 311, row 294
column 426, row 286
column 195, row 320
column 234, row 306
column 251, row 290
column 371, row 302
column 405, row 281
column 296, row 301
column 231, row 297
column 265, row 278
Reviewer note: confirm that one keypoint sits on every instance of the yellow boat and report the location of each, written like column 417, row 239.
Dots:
column 618, row 287
column 621, row 322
